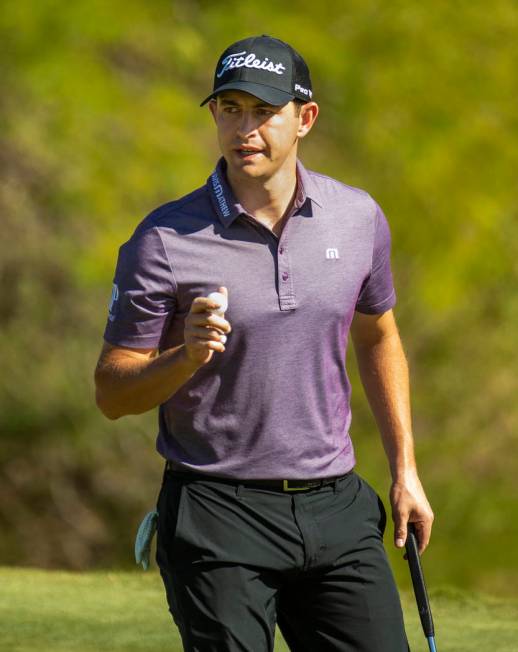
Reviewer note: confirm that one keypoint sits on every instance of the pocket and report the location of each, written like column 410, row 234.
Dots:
column 382, row 523
column 379, row 514
column 170, row 507
column 344, row 498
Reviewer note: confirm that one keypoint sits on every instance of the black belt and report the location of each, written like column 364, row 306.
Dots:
column 278, row 485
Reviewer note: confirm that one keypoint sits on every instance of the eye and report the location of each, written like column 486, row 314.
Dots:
column 265, row 112
column 231, row 109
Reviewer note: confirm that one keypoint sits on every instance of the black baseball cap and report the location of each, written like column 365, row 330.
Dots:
column 265, row 67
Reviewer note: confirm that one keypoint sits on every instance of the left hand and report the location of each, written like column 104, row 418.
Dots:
column 410, row 505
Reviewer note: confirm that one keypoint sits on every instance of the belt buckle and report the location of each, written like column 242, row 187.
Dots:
column 285, row 487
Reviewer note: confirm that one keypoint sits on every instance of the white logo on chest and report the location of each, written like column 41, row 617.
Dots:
column 332, row 253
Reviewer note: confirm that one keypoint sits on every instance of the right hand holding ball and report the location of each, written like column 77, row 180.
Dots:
column 205, row 327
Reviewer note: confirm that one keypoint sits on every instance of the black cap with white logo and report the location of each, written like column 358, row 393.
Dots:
column 265, row 67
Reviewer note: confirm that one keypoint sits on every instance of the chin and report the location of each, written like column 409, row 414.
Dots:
column 251, row 170
column 254, row 170
column 264, row 168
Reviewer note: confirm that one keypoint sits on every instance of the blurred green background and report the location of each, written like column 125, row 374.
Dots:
column 99, row 124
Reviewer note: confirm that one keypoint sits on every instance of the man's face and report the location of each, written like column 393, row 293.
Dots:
column 256, row 138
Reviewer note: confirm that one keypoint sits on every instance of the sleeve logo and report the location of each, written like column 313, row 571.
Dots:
column 113, row 300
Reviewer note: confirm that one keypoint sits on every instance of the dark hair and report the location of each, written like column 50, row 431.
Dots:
column 298, row 105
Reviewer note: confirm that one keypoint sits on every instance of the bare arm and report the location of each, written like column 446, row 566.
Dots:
column 384, row 373
column 132, row 381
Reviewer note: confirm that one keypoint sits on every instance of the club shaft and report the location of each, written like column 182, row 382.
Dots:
column 421, row 595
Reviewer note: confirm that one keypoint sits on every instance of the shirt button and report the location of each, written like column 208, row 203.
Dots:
column 281, row 250
column 285, row 276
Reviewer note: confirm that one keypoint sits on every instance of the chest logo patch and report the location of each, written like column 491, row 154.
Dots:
column 332, row 253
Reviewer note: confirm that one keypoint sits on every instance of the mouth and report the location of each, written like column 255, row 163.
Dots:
column 248, row 153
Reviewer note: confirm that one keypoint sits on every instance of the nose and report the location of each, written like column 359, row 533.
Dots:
column 246, row 125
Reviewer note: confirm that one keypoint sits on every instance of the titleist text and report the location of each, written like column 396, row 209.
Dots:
column 238, row 60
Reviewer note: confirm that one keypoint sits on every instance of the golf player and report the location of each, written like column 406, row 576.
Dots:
column 262, row 518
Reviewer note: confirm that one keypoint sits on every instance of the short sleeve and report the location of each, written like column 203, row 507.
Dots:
column 377, row 294
column 143, row 292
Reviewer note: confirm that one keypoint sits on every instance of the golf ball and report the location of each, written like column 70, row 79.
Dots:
column 221, row 299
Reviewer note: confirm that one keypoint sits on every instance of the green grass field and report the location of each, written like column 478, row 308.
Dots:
column 53, row 611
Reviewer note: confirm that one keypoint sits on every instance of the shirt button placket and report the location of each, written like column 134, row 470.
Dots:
column 285, row 276
column 285, row 290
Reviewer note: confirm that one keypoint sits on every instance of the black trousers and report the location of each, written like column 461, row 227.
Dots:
column 235, row 561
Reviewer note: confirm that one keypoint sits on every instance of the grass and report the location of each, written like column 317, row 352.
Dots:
column 55, row 611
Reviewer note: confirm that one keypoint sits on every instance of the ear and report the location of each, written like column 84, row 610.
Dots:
column 307, row 117
column 213, row 107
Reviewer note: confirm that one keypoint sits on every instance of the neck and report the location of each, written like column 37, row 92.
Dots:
column 268, row 198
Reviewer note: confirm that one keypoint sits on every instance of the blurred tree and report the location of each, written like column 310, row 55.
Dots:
column 100, row 124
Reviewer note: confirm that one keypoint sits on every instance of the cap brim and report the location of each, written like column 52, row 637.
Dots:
column 269, row 95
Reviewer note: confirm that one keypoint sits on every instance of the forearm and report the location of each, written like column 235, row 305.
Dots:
column 384, row 373
column 130, row 386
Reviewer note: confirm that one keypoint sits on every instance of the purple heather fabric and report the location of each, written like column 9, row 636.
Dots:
column 275, row 404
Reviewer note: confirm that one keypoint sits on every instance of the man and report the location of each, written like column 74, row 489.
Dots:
column 262, row 518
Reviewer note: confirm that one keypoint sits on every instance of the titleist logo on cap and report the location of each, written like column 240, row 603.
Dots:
column 238, row 60
column 264, row 67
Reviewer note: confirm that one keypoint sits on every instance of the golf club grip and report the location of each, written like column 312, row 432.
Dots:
column 416, row 572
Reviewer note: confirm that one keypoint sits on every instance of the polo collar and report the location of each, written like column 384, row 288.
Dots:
column 223, row 199
column 306, row 186
column 228, row 208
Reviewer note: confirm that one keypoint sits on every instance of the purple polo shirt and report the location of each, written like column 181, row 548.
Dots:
column 275, row 404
